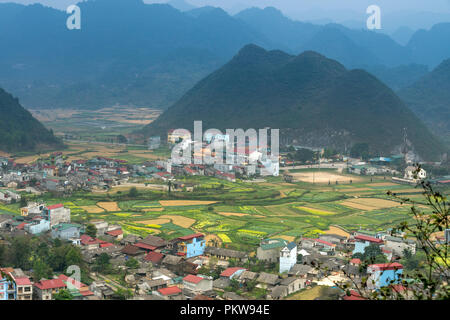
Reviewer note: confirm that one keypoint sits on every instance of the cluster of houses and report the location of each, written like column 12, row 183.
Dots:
column 172, row 269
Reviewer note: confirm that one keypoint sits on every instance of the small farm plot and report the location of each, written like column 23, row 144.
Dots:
column 176, row 203
column 323, row 177
column 368, row 204
column 110, row 206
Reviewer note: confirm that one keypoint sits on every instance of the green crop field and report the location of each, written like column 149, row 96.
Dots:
column 243, row 213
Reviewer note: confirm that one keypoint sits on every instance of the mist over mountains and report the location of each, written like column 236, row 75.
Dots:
column 128, row 52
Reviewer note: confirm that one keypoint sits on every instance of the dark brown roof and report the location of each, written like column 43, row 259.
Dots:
column 154, row 241
column 130, row 250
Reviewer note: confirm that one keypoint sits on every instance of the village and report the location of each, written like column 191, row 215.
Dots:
column 191, row 266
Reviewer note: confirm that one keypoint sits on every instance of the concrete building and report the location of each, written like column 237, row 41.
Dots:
column 363, row 241
column 56, row 214
column 269, row 249
column 288, row 257
column 45, row 289
column 32, row 209
column 191, row 246
column 66, row 231
column 399, row 245
column 384, row 274
column 37, row 226
column 198, row 284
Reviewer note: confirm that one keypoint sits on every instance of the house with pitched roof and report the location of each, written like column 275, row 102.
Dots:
column 190, row 246
column 362, row 241
column 169, row 293
column 45, row 289
column 384, row 274
column 198, row 283
column 232, row 273
column 269, row 249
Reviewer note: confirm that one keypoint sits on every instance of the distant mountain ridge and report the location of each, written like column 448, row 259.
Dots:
column 132, row 53
column 429, row 98
column 314, row 100
column 19, row 131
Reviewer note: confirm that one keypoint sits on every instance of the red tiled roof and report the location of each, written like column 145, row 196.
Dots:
column 355, row 261
column 86, row 293
column 21, row 226
column 55, row 206
column 22, row 281
column 192, row 236
column 325, row 242
column 115, row 233
column 72, row 281
column 368, row 238
column 353, row 296
column 145, row 246
column 386, row 266
column 154, row 257
column 105, row 245
column 230, row 271
column 193, row 279
column 169, row 291
column 50, row 284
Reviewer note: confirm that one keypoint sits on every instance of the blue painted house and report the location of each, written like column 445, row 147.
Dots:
column 7, row 287
column 384, row 274
column 363, row 241
column 191, row 246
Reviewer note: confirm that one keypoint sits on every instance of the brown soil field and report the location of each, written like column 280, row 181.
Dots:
column 154, row 221
column 175, row 203
column 407, row 191
column 109, row 206
column 180, row 220
column 211, row 237
column 338, row 231
column 234, row 214
column 288, row 238
column 370, row 203
column 323, row 177
column 92, row 209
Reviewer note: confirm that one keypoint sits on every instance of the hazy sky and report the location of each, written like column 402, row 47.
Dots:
column 405, row 11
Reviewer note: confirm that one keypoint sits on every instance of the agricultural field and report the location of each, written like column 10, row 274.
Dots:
column 238, row 215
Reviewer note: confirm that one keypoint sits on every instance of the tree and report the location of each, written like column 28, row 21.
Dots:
column 21, row 250
column 41, row 270
column 102, row 263
column 132, row 263
column 360, row 150
column 91, row 230
column 428, row 280
column 23, row 202
column 304, row 155
column 2, row 254
column 133, row 193
column 373, row 254
column 63, row 294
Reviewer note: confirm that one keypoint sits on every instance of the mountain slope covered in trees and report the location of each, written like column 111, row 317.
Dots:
column 19, row 131
column 314, row 100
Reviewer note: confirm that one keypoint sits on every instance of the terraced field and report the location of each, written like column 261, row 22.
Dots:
column 238, row 215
